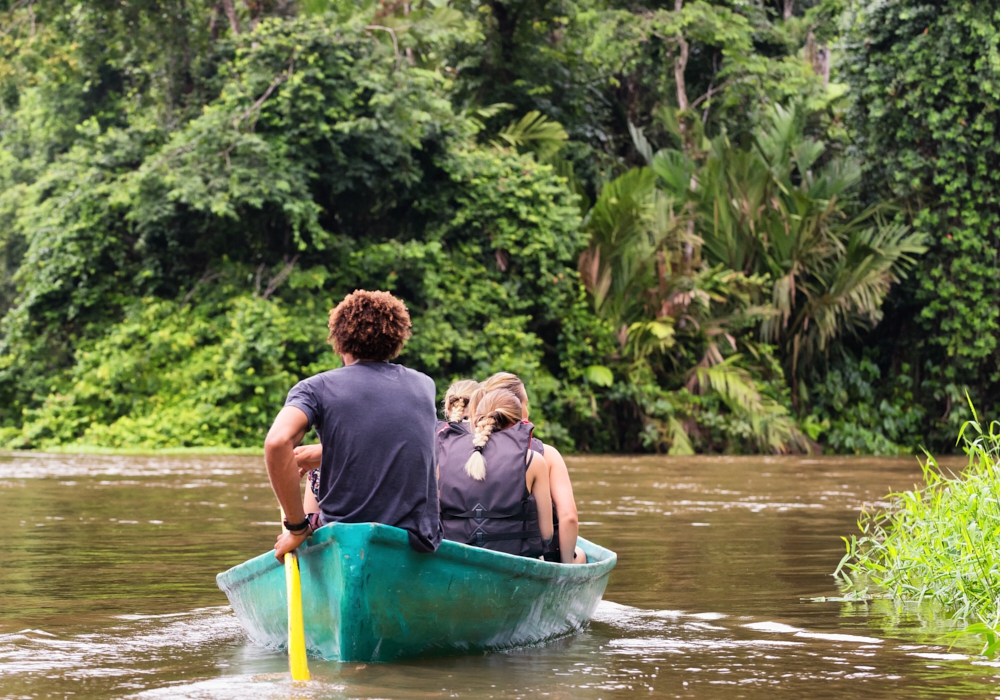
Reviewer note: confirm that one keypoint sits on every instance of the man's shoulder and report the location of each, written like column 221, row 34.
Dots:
column 357, row 372
column 415, row 374
column 320, row 378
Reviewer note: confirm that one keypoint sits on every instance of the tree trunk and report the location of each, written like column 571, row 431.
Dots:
column 186, row 76
column 789, row 9
column 256, row 8
column 506, row 28
column 680, row 64
column 409, row 50
column 227, row 6
column 213, row 24
column 819, row 58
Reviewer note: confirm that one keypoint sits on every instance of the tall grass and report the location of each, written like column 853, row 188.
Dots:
column 941, row 542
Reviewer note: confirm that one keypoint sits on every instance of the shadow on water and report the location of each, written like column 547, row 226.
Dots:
column 109, row 590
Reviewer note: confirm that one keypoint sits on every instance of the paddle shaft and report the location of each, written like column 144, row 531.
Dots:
column 297, row 662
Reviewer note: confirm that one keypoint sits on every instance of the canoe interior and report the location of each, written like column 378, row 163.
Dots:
column 367, row 596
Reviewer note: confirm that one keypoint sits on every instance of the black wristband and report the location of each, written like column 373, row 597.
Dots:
column 296, row 528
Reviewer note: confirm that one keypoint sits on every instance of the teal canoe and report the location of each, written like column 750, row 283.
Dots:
column 367, row 596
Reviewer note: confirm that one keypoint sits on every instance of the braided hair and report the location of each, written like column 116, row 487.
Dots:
column 456, row 399
column 495, row 410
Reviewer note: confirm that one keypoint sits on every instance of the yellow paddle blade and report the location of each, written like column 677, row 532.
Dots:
column 296, row 628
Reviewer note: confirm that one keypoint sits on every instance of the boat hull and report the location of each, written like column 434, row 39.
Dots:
column 367, row 596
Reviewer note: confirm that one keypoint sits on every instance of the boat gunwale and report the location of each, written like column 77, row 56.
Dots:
column 499, row 562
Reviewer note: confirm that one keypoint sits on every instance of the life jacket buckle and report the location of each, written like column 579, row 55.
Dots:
column 479, row 537
column 478, row 510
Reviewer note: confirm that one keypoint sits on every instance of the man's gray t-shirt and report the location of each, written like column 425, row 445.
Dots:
column 376, row 423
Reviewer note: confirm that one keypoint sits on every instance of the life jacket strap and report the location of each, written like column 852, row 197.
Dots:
column 480, row 537
column 520, row 512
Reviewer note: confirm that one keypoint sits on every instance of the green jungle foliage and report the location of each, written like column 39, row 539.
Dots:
column 925, row 81
column 652, row 212
column 176, row 280
column 938, row 543
column 729, row 270
column 848, row 415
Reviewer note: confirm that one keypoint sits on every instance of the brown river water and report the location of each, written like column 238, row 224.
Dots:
column 107, row 589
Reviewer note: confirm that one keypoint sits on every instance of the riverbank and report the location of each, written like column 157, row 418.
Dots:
column 138, row 451
column 938, row 543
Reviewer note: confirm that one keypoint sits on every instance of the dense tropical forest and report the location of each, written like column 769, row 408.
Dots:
column 689, row 225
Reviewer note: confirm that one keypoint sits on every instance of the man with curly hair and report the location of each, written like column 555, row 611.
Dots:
column 375, row 421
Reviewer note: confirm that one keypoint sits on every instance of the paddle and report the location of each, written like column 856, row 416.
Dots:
column 296, row 627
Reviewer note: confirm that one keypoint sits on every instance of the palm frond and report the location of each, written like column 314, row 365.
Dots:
column 628, row 224
column 680, row 443
column 534, row 132
column 479, row 115
column 731, row 382
column 641, row 143
column 770, row 423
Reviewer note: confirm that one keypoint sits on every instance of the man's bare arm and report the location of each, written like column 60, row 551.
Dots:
column 279, row 456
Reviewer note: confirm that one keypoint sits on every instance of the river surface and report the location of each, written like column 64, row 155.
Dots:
column 107, row 589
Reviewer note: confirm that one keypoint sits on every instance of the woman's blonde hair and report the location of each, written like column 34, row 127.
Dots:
column 456, row 399
column 504, row 381
column 495, row 410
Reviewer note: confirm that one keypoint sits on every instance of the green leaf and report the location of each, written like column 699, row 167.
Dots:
column 599, row 375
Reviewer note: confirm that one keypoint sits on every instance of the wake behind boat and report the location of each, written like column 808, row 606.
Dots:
column 367, row 596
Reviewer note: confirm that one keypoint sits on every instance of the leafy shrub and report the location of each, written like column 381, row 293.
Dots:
column 175, row 375
column 939, row 542
column 852, row 410
column 175, row 282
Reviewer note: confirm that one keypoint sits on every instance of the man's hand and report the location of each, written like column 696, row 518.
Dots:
column 308, row 458
column 287, row 542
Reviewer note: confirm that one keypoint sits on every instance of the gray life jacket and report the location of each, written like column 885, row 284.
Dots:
column 498, row 512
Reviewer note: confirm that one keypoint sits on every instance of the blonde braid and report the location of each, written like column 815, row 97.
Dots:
column 474, row 400
column 456, row 399
column 457, row 409
column 494, row 410
column 476, row 466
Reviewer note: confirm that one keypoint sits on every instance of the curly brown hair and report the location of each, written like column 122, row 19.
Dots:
column 369, row 325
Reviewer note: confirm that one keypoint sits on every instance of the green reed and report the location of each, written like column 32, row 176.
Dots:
column 940, row 542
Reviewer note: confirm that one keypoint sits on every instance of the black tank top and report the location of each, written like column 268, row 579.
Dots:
column 496, row 513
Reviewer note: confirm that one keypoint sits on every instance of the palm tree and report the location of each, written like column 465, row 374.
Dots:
column 675, row 318
column 777, row 209
column 693, row 257
column 630, row 227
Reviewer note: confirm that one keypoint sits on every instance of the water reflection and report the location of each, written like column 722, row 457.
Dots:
column 109, row 589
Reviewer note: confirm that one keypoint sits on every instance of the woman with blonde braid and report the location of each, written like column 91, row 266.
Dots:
column 494, row 487
column 456, row 400
column 563, row 548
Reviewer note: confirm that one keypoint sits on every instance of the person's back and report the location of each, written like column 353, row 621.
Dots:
column 310, row 457
column 494, row 507
column 564, row 514
column 376, row 423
